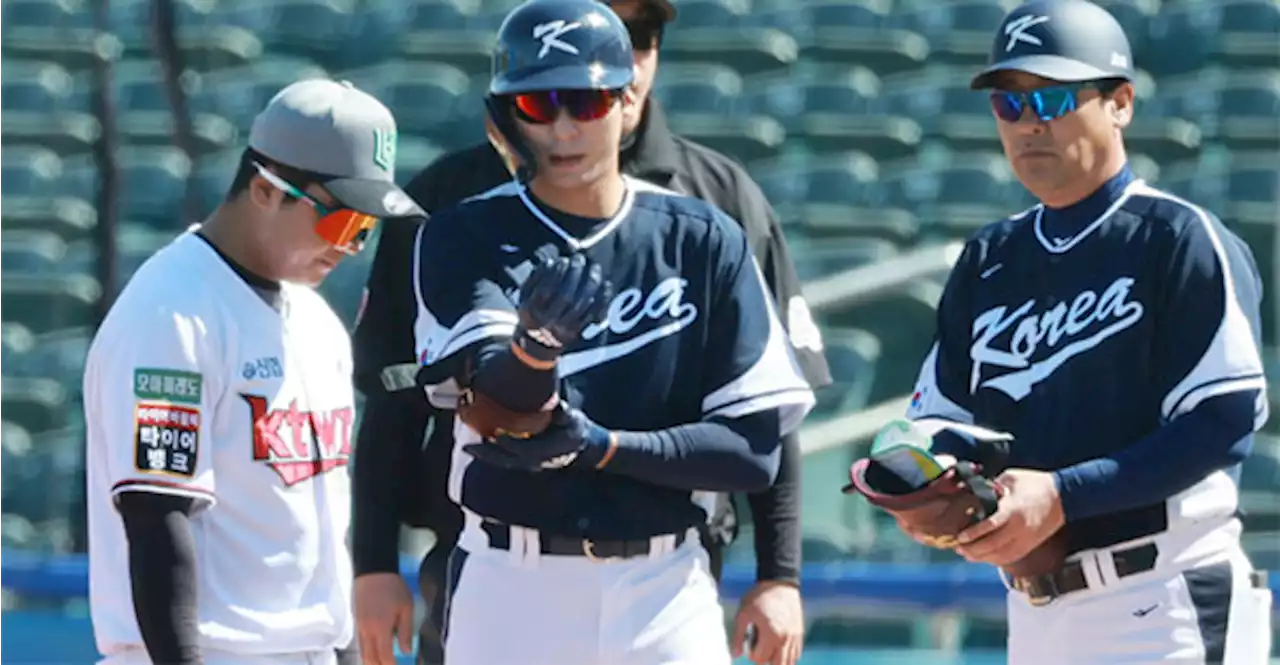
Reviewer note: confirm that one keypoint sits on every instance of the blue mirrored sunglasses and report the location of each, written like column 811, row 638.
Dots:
column 1048, row 103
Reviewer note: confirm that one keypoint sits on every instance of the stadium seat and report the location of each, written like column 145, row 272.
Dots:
column 424, row 96
column 1248, row 31
column 76, row 48
column 16, row 341
column 31, row 252
column 1135, row 17
column 958, row 31
column 984, row 633
column 712, row 14
column 851, row 178
column 1261, row 471
column 209, row 133
column 35, row 404
column 211, row 178
column 49, row 302
column 852, row 354
column 1259, row 508
column 19, row 14
column 153, row 183
column 135, row 242
column 1248, row 106
column 447, row 32
column 69, row 218
column 413, row 154
column 139, row 85
column 750, row 50
column 904, row 322
column 36, row 87
column 971, row 178
column 698, row 88
column 29, row 171
column 851, row 41
column 830, row 256
column 311, row 29
column 746, row 139
column 881, row 631
column 238, row 94
column 939, row 98
column 61, row 353
column 67, row 133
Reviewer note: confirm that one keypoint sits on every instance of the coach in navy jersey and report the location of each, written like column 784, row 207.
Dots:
column 1113, row 329
column 649, row 319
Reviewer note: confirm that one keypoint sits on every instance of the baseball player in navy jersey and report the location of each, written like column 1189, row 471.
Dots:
column 1113, row 330
column 642, row 315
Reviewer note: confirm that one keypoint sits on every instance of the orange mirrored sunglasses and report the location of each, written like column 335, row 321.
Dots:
column 344, row 228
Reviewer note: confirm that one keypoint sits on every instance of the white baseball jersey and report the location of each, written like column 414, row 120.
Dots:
column 196, row 386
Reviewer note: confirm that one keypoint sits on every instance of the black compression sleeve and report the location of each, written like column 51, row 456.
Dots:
column 162, row 572
column 775, row 513
column 510, row 382
column 720, row 455
column 386, row 431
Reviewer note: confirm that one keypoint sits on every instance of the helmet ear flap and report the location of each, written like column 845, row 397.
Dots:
column 515, row 153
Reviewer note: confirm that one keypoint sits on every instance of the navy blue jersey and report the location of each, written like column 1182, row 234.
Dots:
column 1082, row 339
column 690, row 334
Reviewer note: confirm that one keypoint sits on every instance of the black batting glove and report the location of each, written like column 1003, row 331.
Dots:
column 561, row 296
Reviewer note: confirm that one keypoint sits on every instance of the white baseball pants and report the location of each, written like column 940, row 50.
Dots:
column 533, row 609
column 1198, row 605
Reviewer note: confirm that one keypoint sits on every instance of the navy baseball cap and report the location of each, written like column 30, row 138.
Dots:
column 1065, row 40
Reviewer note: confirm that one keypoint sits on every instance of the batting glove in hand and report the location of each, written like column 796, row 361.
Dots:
column 571, row 438
column 561, row 296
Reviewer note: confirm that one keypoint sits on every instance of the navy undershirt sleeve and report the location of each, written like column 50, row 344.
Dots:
column 1214, row 435
column 720, row 455
column 510, row 382
column 162, row 573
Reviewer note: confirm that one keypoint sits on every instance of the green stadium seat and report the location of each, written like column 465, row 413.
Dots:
column 467, row 49
column 153, row 183
column 1248, row 32
column 139, row 85
column 1263, row 549
column 744, row 138
column 38, row 87
column 31, row 252
column 41, row 13
column 1260, row 510
column 209, row 133
column 712, row 14
column 851, row 178
column 1248, row 109
column 69, row 218
column 311, row 29
column 67, row 132
column 16, row 531
column 74, row 48
column 1135, row 17
column 852, row 354
column 135, row 242
column 49, row 302
column 750, row 50
column 884, row 50
column 699, row 88
column 1261, row 471
column 958, row 31
column 29, row 171
column 35, row 404
column 884, row 137
column 211, row 178
column 413, row 154
column 904, row 322
column 984, row 632
column 240, row 93
column 426, row 97
column 58, row 355
column 829, row 256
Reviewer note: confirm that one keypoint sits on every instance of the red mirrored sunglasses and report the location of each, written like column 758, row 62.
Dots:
column 543, row 107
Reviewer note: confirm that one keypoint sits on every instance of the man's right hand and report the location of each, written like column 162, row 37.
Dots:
column 383, row 608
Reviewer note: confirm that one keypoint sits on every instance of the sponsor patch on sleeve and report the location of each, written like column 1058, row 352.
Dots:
column 167, row 438
column 167, row 385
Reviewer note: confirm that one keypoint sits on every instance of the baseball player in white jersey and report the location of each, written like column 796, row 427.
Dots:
column 220, row 406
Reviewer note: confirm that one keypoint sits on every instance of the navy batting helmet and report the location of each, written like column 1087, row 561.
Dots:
column 1065, row 40
column 561, row 45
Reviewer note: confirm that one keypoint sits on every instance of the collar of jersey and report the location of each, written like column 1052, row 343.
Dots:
column 1106, row 199
column 575, row 243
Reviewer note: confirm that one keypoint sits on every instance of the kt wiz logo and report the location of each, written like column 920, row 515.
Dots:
column 299, row 445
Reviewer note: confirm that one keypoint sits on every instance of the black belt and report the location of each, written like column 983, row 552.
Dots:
column 500, row 539
column 1043, row 589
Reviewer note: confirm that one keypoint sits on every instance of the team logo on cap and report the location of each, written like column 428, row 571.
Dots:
column 384, row 148
column 550, row 34
column 1017, row 29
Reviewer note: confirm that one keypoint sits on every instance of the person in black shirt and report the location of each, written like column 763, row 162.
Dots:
column 404, row 446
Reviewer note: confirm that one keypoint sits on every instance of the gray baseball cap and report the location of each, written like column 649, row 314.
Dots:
column 343, row 135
